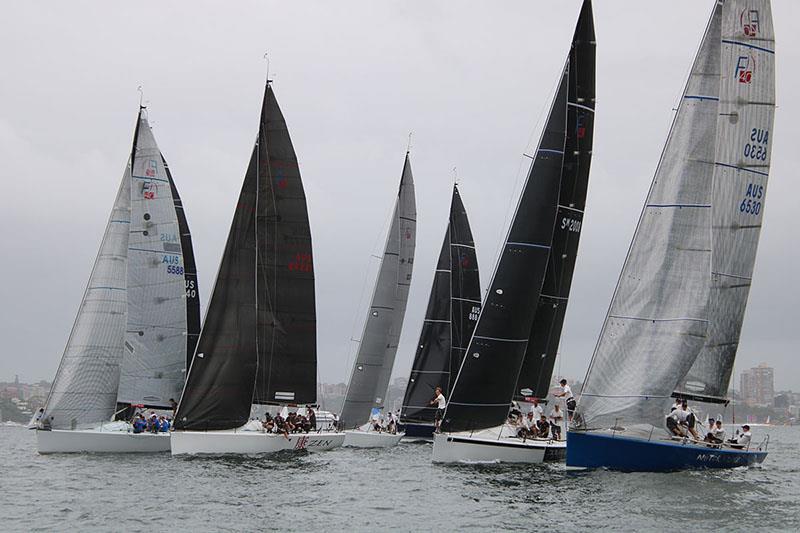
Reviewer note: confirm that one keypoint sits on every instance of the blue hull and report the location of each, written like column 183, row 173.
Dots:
column 419, row 431
column 595, row 450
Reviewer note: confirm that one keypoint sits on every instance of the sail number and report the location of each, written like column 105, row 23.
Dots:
column 191, row 291
column 175, row 269
column 757, row 147
column 571, row 224
column 751, row 203
column 474, row 312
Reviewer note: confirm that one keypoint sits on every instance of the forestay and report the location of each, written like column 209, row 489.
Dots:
column 658, row 318
column 154, row 358
column 372, row 369
column 450, row 318
column 84, row 391
column 744, row 144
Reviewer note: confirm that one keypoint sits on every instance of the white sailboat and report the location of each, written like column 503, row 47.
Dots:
column 137, row 321
column 259, row 340
column 372, row 368
column 514, row 344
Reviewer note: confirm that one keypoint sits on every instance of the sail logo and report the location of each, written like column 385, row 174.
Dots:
column 408, row 233
column 151, row 170
column 464, row 261
column 149, row 190
column 580, row 126
column 748, row 19
column 744, row 69
column 301, row 263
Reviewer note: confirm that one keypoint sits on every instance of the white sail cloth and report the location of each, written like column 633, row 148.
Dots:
column 84, row 391
column 658, row 318
column 744, row 130
column 154, row 358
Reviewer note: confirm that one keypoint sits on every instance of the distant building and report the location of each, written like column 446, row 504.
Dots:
column 757, row 385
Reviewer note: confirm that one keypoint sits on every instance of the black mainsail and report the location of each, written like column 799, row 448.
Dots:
column 540, row 356
column 485, row 383
column 453, row 308
column 258, row 343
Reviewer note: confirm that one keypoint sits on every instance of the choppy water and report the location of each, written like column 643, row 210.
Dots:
column 372, row 490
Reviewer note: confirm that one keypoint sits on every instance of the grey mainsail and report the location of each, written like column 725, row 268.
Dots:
column 744, row 129
column 658, row 319
column 373, row 365
column 154, row 359
column 84, row 391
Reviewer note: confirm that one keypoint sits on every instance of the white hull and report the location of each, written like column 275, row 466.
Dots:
column 371, row 439
column 250, row 442
column 96, row 441
column 488, row 447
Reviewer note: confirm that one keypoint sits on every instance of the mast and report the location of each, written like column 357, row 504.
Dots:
column 154, row 358
column 372, row 368
column 744, row 144
column 658, row 318
column 545, row 334
column 450, row 318
column 483, row 389
column 258, row 343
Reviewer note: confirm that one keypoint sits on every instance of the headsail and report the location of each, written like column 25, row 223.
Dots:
column 744, row 143
column 84, row 391
column 545, row 334
column 658, row 319
column 483, row 389
column 453, row 308
column 154, row 358
column 258, row 342
column 376, row 352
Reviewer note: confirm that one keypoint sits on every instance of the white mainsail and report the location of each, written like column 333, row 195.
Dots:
column 658, row 318
column 744, row 130
column 154, row 358
column 84, row 390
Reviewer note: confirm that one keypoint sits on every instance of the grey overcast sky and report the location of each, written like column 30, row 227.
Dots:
column 470, row 79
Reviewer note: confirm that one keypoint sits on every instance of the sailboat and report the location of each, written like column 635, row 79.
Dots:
column 372, row 368
column 258, row 345
column 453, row 307
column 138, row 321
column 520, row 322
column 673, row 325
